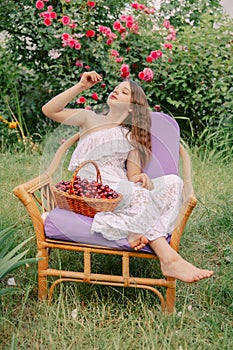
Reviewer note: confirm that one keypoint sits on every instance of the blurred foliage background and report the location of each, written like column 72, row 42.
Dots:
column 192, row 80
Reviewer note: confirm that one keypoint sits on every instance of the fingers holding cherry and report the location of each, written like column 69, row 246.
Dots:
column 90, row 78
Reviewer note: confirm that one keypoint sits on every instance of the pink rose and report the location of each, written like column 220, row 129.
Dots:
column 157, row 108
column 166, row 24
column 65, row 20
column 135, row 5
column 53, row 15
column 91, row 3
column 95, row 96
column 71, row 42
column 142, row 7
column 124, row 68
column 141, row 75
column 39, row 5
column 81, row 100
column 72, row 25
column 117, row 25
column 109, row 41
column 125, row 71
column 77, row 45
column 90, row 33
column 79, row 63
column 156, row 54
column 159, row 53
column 65, row 36
column 119, row 59
column 130, row 18
column 171, row 37
column 47, row 22
column 114, row 53
column 134, row 28
column 149, row 59
column 168, row 46
column 129, row 24
column 146, row 75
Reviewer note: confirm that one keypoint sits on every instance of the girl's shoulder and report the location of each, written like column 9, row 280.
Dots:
column 85, row 112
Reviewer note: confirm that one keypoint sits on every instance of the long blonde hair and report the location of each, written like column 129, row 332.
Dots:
column 138, row 122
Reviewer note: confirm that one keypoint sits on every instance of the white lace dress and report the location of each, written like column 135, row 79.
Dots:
column 151, row 213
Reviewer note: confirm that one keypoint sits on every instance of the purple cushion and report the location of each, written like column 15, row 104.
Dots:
column 165, row 134
column 68, row 226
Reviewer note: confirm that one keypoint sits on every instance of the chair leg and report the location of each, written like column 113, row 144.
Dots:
column 170, row 297
column 42, row 277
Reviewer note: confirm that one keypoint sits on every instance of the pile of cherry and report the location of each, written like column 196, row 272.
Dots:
column 84, row 188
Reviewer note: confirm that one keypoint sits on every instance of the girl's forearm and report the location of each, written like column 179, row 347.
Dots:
column 60, row 101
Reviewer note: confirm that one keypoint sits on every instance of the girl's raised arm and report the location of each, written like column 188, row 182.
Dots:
column 55, row 108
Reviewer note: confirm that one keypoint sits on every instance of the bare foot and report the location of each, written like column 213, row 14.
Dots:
column 137, row 241
column 184, row 271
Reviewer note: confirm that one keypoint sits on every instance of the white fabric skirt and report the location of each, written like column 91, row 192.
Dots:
column 151, row 213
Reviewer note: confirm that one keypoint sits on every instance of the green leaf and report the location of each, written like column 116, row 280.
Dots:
column 11, row 259
column 7, row 290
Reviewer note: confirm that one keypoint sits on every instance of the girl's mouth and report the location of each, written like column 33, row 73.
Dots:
column 113, row 97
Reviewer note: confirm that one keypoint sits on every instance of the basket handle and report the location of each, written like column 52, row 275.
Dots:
column 98, row 175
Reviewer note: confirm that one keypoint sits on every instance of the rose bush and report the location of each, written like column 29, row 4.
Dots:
column 123, row 47
column 187, row 12
column 177, row 60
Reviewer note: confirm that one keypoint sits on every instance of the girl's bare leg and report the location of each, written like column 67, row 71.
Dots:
column 173, row 265
column 137, row 241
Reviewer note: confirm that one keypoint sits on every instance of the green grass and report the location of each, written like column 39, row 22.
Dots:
column 117, row 318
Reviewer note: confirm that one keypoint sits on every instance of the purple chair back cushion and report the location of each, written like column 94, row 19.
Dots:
column 66, row 225
column 165, row 134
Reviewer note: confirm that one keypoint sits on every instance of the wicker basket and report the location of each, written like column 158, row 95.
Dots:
column 83, row 205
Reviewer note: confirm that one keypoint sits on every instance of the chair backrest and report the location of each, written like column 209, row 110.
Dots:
column 165, row 133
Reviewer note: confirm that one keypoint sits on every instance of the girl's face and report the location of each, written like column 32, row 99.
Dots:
column 121, row 94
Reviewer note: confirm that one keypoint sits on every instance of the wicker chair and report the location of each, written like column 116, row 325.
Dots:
column 169, row 155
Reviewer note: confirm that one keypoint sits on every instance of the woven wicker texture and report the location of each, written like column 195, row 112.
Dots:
column 84, row 205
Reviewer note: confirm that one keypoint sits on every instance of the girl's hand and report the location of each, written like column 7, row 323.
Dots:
column 89, row 79
column 145, row 181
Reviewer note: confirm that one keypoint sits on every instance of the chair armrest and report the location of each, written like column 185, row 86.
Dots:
column 188, row 194
column 36, row 194
column 26, row 194
column 60, row 152
column 189, row 199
